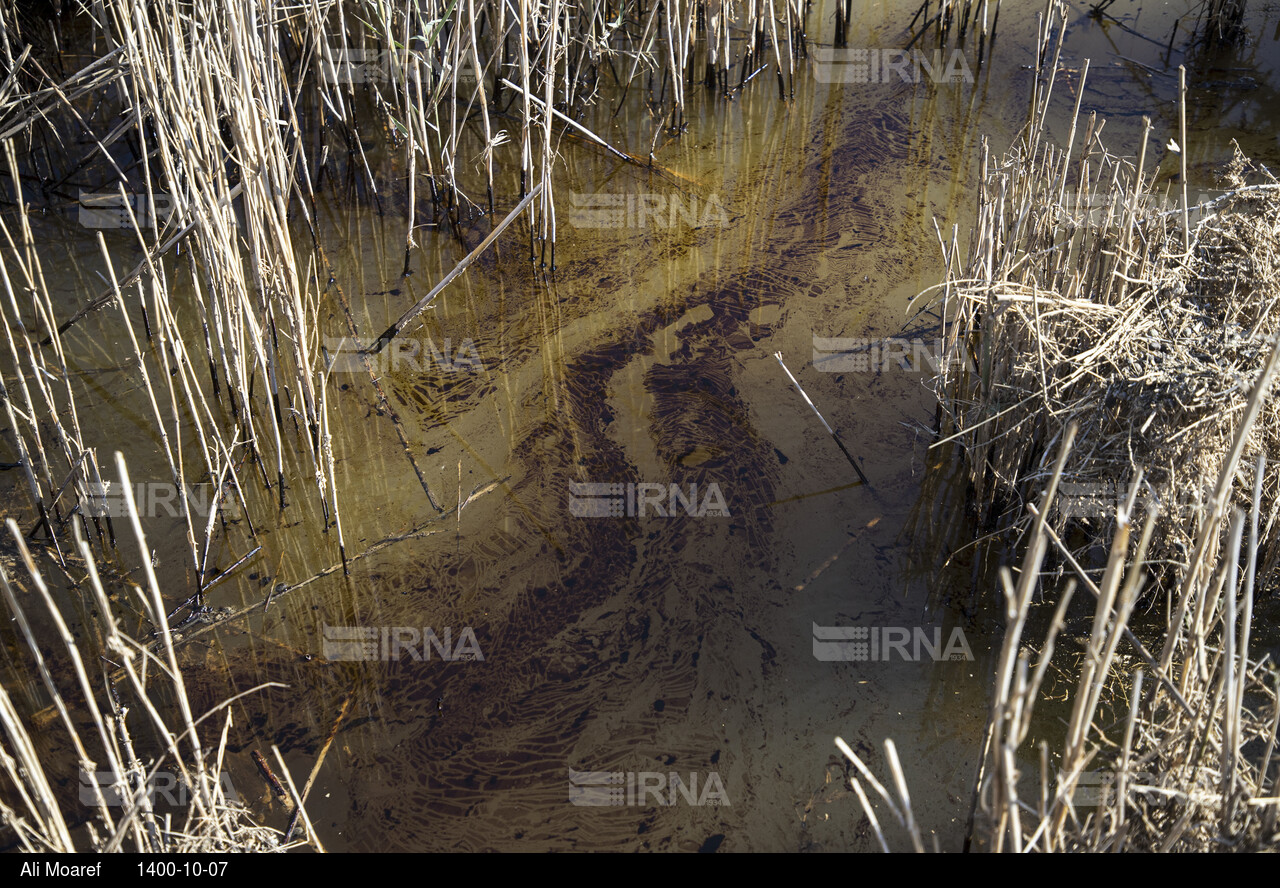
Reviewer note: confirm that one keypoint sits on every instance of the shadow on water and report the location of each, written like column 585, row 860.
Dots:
column 644, row 645
column 636, row 645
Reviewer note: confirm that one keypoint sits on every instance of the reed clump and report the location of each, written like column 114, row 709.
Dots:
column 214, row 131
column 1175, row 755
column 1112, row 355
column 118, row 709
column 1188, row 766
column 1090, row 296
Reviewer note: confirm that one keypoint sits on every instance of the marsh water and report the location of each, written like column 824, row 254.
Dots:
column 656, row 644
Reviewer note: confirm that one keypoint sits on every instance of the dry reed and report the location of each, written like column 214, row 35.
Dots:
column 119, row 732
column 234, row 115
column 1111, row 360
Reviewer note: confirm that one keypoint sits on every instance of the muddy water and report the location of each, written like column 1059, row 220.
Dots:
column 659, row 644
column 644, row 645
column 677, row 644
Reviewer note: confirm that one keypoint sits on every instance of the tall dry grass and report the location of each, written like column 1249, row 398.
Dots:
column 1113, row 359
column 1187, row 766
column 113, row 701
column 232, row 119
column 217, row 130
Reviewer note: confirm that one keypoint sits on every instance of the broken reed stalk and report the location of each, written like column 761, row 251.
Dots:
column 1182, row 155
column 315, row 769
column 573, row 124
column 398, row 327
column 297, row 800
column 825, row 424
